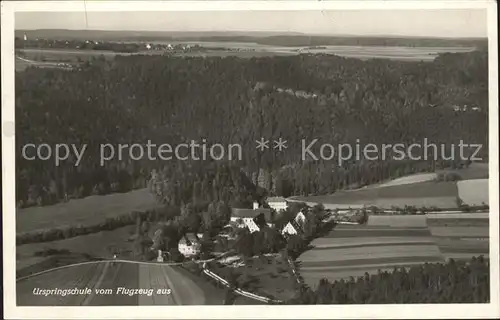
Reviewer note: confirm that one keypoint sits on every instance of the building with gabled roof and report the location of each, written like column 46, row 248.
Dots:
column 254, row 219
column 291, row 228
column 300, row 217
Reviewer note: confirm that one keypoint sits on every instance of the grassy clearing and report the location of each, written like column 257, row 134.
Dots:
column 416, row 178
column 341, row 234
column 475, row 247
column 398, row 221
column 457, row 232
column 343, row 255
column 239, row 54
column 392, row 261
column 439, row 194
column 101, row 244
column 53, row 261
column 474, row 192
column 457, row 222
column 459, row 216
column 338, row 243
column 90, row 210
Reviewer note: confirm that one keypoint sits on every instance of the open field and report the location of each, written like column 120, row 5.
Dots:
column 249, row 50
column 416, row 178
column 475, row 170
column 474, row 192
column 93, row 209
column 398, row 221
column 353, row 250
column 461, row 238
column 360, row 52
column 430, row 193
column 102, row 244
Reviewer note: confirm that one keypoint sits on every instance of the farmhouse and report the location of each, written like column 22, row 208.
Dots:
column 253, row 219
column 189, row 246
column 277, row 203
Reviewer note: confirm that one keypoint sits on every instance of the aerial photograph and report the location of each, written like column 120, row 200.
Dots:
column 251, row 157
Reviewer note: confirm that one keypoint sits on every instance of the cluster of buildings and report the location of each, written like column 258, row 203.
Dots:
column 258, row 217
column 254, row 219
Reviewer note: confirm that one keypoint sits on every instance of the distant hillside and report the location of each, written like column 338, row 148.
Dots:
column 268, row 38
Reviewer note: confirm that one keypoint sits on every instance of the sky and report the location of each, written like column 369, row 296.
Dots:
column 430, row 23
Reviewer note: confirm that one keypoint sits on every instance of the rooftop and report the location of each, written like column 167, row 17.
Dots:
column 251, row 213
column 276, row 199
column 188, row 239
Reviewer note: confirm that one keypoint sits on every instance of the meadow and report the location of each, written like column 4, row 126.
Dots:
column 428, row 193
column 96, row 245
column 86, row 211
column 251, row 50
column 419, row 190
column 473, row 192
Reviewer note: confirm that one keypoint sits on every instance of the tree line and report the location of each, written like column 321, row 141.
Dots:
column 451, row 282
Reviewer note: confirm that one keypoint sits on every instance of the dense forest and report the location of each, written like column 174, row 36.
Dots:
column 230, row 100
column 453, row 282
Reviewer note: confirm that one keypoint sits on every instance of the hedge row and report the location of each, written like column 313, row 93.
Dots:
column 412, row 210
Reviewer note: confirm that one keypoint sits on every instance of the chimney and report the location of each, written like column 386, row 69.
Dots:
column 255, row 205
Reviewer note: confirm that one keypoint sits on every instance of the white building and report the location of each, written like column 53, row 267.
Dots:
column 189, row 246
column 249, row 217
column 148, row 46
column 277, row 203
column 25, row 37
column 289, row 229
column 300, row 218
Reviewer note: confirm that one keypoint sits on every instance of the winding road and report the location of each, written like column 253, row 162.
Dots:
column 123, row 283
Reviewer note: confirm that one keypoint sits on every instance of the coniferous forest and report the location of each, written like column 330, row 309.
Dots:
column 231, row 100
column 453, row 282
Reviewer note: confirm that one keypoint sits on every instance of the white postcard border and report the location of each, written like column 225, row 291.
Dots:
column 414, row 311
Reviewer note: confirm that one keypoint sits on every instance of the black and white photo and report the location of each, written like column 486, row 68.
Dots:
column 250, row 155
